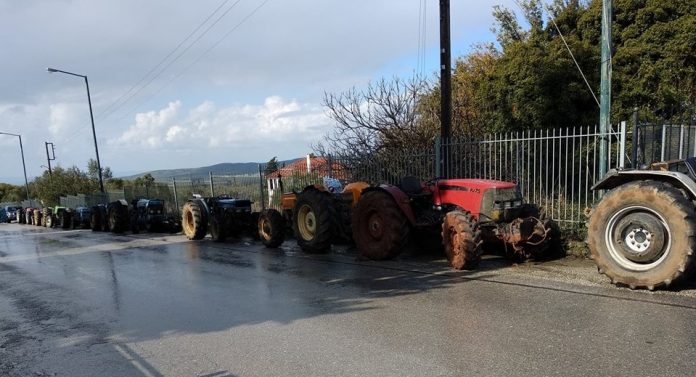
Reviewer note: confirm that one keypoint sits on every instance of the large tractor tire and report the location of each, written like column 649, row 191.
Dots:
column 461, row 239
column 380, row 228
column 96, row 219
column 642, row 235
column 217, row 231
column 194, row 220
column 66, row 220
column 271, row 227
column 50, row 221
column 118, row 217
column 313, row 219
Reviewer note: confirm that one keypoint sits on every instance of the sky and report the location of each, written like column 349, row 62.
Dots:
column 180, row 84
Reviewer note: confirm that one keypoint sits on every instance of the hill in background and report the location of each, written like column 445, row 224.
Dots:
column 226, row 168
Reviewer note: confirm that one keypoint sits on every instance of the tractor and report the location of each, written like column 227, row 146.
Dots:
column 470, row 214
column 81, row 218
column 141, row 214
column 59, row 217
column 319, row 215
column 98, row 218
column 642, row 234
column 222, row 216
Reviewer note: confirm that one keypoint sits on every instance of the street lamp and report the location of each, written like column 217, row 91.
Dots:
column 91, row 116
column 21, row 149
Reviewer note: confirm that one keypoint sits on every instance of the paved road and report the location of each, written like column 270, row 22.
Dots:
column 78, row 303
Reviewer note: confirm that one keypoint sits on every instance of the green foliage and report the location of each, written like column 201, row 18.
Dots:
column 48, row 188
column 12, row 193
column 271, row 166
column 93, row 170
column 530, row 81
column 146, row 180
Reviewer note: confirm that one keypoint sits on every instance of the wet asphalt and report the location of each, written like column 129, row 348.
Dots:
column 81, row 303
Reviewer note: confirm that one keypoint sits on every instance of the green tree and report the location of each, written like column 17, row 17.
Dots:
column 93, row 170
column 271, row 166
column 48, row 188
column 146, row 180
column 12, row 193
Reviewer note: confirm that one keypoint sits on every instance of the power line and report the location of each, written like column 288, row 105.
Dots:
column 176, row 58
column 181, row 73
column 105, row 112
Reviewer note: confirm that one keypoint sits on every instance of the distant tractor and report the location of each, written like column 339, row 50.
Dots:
column 142, row 214
column 642, row 234
column 81, row 218
column 471, row 214
column 317, row 216
column 220, row 216
column 59, row 217
column 98, row 218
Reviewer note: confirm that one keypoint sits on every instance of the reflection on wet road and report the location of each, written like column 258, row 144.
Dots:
column 79, row 303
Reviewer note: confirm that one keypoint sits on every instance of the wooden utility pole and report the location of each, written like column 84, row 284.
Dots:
column 445, row 86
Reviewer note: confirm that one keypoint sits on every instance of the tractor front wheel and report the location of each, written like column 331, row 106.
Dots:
column 461, row 239
column 642, row 234
column 271, row 226
column 380, row 228
column 217, row 231
column 193, row 221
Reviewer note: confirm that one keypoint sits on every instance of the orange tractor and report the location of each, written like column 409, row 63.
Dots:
column 316, row 215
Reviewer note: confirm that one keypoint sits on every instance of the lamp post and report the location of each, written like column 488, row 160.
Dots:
column 21, row 149
column 91, row 117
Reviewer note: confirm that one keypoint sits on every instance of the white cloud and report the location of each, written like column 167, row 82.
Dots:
column 277, row 124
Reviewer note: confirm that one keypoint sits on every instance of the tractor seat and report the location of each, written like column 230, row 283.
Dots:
column 411, row 185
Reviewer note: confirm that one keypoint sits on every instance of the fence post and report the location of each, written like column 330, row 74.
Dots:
column 438, row 157
column 622, row 145
column 636, row 139
column 263, row 200
column 664, row 136
column 329, row 169
column 212, row 189
column 176, row 197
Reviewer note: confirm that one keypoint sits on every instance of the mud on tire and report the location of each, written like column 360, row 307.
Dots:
column 643, row 234
column 313, row 219
column 194, row 220
column 461, row 239
column 380, row 228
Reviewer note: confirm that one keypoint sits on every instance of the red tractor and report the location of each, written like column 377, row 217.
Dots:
column 471, row 214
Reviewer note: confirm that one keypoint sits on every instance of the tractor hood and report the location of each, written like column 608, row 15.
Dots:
column 481, row 184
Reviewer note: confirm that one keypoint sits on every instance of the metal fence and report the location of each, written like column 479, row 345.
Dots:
column 554, row 168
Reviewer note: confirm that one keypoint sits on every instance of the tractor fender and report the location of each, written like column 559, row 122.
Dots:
column 204, row 206
column 122, row 202
column 401, row 199
column 615, row 178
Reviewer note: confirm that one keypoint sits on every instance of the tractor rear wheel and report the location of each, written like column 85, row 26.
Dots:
column 380, row 228
column 271, row 226
column 117, row 217
column 312, row 220
column 95, row 219
column 643, row 235
column 193, row 221
column 217, row 231
column 461, row 239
